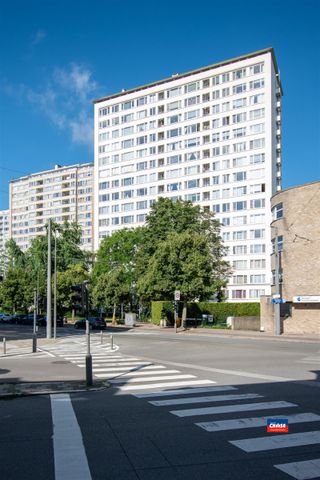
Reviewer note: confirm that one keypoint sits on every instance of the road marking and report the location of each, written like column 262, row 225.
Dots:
column 130, row 369
column 106, row 360
column 246, row 407
column 137, row 374
column 127, row 364
column 152, row 379
column 278, row 441
column 184, row 391
column 239, row 423
column 70, row 460
column 166, row 384
column 302, row 470
column 210, row 398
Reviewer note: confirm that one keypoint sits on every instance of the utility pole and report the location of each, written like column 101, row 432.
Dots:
column 55, row 287
column 49, row 319
column 277, row 325
column 34, row 334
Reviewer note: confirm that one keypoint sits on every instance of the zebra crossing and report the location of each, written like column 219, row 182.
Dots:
column 185, row 396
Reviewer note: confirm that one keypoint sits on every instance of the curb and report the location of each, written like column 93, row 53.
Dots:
column 28, row 388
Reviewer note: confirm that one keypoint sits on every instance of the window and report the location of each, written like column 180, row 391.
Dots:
column 171, row 187
column 226, row 178
column 226, row 207
column 192, row 114
column 174, row 132
column 240, row 73
column 257, row 203
column 239, row 279
column 256, row 293
column 215, row 194
column 195, row 127
column 141, row 179
column 127, row 194
column 194, row 169
column 239, row 132
column 192, row 87
column 142, row 114
column 127, row 105
column 258, row 68
column 242, row 220
column 142, row 166
column 125, row 182
column 127, row 143
column 257, row 279
column 239, row 88
column 142, row 205
column 174, row 119
column 239, row 294
column 239, row 250
column 226, row 236
column 239, row 103
column 240, row 162
column 192, row 197
column 225, row 92
column 257, row 128
column 115, row 221
column 216, row 108
column 280, row 243
column 239, row 176
column 173, row 92
column 256, row 99
column 192, row 184
column 239, row 147
column 216, row 208
column 225, row 221
column 192, row 142
column 258, row 248
column 257, row 188
column 173, row 106
column 173, row 159
column 238, row 191
column 141, row 192
column 257, row 158
column 258, row 263
column 239, row 264
column 126, row 207
column 215, row 137
column 127, row 219
column 142, row 101
column 257, row 233
column 258, row 143
column 240, row 235
column 259, row 83
column 141, row 217
column 258, row 113
column 239, row 117
column 239, row 205
column 173, row 146
column 277, row 211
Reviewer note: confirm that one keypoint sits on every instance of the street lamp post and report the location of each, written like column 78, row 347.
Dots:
column 34, row 334
column 277, row 321
column 49, row 318
column 55, row 288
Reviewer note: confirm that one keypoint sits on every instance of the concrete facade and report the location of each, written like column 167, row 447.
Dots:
column 211, row 136
column 296, row 226
column 64, row 193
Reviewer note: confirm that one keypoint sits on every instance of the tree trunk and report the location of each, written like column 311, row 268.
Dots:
column 184, row 314
column 114, row 314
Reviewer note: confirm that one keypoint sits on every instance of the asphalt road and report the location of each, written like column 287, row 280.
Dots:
column 138, row 430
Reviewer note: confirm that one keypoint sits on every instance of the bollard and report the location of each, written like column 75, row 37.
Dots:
column 34, row 343
column 101, row 337
column 111, row 338
column 89, row 381
column 4, row 346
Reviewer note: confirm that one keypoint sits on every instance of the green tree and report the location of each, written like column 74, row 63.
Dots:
column 182, row 250
column 73, row 275
column 114, row 274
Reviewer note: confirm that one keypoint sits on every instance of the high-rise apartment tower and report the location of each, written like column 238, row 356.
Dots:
column 211, row 136
column 62, row 194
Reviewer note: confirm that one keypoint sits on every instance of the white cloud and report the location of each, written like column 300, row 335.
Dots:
column 38, row 37
column 66, row 101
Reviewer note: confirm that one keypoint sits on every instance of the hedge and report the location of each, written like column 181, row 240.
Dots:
column 220, row 311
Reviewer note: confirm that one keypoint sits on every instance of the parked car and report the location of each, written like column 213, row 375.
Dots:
column 5, row 318
column 18, row 318
column 94, row 323
column 29, row 319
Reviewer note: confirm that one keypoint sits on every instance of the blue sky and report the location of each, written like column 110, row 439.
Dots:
column 56, row 56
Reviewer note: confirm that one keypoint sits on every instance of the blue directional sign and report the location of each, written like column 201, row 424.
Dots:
column 278, row 300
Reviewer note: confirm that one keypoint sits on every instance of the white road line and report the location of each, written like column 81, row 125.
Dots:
column 135, row 374
column 306, row 470
column 208, row 399
column 277, row 441
column 127, row 364
column 239, row 423
column 152, row 379
column 246, row 407
column 166, row 384
column 130, row 369
column 184, row 391
column 70, row 460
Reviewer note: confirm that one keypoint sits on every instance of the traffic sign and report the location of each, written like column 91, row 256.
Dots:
column 306, row 299
column 278, row 300
column 177, row 294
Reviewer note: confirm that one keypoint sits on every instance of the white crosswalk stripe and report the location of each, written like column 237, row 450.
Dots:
column 126, row 375
column 153, row 379
column 208, row 399
column 246, row 407
column 240, row 423
column 129, row 369
column 275, row 441
column 306, row 470
column 166, row 384
column 184, row 391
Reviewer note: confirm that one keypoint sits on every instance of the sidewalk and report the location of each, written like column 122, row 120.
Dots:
column 222, row 333
column 25, row 373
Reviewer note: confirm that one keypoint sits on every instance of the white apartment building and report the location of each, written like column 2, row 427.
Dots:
column 62, row 194
column 4, row 228
column 211, row 136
